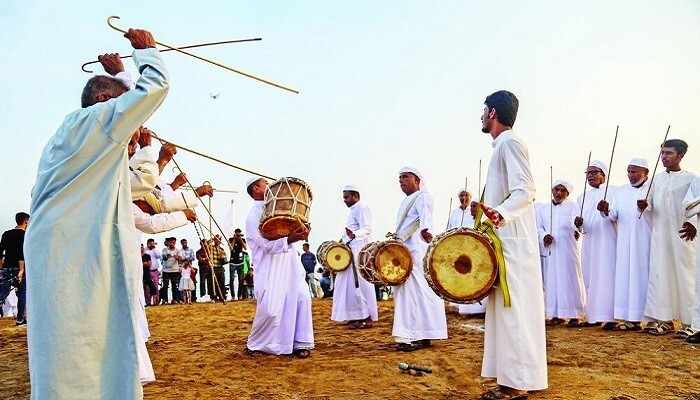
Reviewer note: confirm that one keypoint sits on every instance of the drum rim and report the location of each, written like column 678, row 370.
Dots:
column 268, row 219
column 440, row 289
column 328, row 245
column 295, row 180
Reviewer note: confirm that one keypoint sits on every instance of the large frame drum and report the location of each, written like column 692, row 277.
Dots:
column 385, row 263
column 286, row 209
column 334, row 255
column 460, row 266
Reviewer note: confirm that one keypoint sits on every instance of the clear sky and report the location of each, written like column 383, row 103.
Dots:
column 382, row 84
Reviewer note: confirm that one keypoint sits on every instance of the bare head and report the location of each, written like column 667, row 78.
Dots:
column 500, row 111
column 101, row 88
column 672, row 152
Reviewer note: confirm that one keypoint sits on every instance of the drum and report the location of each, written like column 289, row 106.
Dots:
column 286, row 209
column 334, row 255
column 460, row 266
column 385, row 263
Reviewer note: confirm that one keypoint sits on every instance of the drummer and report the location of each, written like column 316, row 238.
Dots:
column 354, row 299
column 463, row 216
column 282, row 323
column 419, row 314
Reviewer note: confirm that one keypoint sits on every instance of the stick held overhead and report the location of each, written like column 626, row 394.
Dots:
column 116, row 28
column 191, row 46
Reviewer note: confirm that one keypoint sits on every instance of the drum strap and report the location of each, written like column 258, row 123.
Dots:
column 411, row 228
column 486, row 227
column 352, row 263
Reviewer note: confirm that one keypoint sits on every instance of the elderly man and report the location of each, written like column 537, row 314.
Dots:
column 633, row 241
column 597, row 249
column 419, row 314
column 671, row 259
column 565, row 293
column 462, row 216
column 514, row 342
column 84, row 167
column 691, row 206
column 282, row 323
column 353, row 297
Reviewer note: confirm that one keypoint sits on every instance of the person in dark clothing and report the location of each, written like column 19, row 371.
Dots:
column 12, row 261
column 308, row 260
column 148, row 285
column 236, row 264
column 206, row 283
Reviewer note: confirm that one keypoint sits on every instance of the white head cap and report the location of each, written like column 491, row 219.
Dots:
column 460, row 190
column 252, row 181
column 351, row 188
column 569, row 187
column 600, row 165
column 422, row 187
column 639, row 162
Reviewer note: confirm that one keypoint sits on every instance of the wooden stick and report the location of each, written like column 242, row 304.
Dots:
column 607, row 178
column 651, row 182
column 447, row 226
column 479, row 188
column 585, row 183
column 551, row 205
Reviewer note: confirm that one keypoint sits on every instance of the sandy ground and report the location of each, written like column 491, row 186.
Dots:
column 202, row 358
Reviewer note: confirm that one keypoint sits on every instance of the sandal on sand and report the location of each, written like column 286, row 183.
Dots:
column 554, row 321
column 609, row 326
column 628, row 326
column 253, row 353
column 413, row 346
column 651, row 326
column 683, row 333
column 573, row 323
column 662, row 329
column 502, row 393
column 362, row 325
column 589, row 324
column 301, row 353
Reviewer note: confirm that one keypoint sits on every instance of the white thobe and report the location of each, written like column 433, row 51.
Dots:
column 599, row 239
column 632, row 253
column 691, row 207
column 87, row 347
column 351, row 303
column 418, row 312
column 463, row 218
column 514, row 341
column 671, row 290
column 565, row 294
column 144, row 172
column 282, row 320
column 460, row 218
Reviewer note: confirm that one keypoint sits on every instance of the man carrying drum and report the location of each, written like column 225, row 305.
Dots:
column 282, row 323
column 419, row 314
column 353, row 298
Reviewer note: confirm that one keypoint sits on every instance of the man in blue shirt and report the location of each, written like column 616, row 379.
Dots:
column 308, row 260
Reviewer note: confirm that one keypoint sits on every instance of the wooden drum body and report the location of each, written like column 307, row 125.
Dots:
column 286, row 209
column 460, row 266
column 334, row 255
column 385, row 263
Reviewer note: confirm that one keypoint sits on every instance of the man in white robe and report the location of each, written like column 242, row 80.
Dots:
column 354, row 299
column 691, row 206
column 462, row 217
column 282, row 323
column 633, row 241
column 419, row 314
column 565, row 294
column 671, row 291
column 87, row 348
column 514, row 341
column 598, row 243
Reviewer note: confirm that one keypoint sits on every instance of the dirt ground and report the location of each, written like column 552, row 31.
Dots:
column 584, row 363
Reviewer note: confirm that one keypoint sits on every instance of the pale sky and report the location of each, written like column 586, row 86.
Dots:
column 382, row 84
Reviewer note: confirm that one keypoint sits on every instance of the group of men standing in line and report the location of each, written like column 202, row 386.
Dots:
column 617, row 257
column 89, row 165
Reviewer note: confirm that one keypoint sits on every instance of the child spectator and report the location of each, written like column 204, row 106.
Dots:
column 248, row 282
column 186, row 284
column 148, row 286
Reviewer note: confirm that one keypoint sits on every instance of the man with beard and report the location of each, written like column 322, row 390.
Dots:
column 353, row 297
column 514, row 341
column 633, row 241
column 597, row 249
column 671, row 259
column 565, row 294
